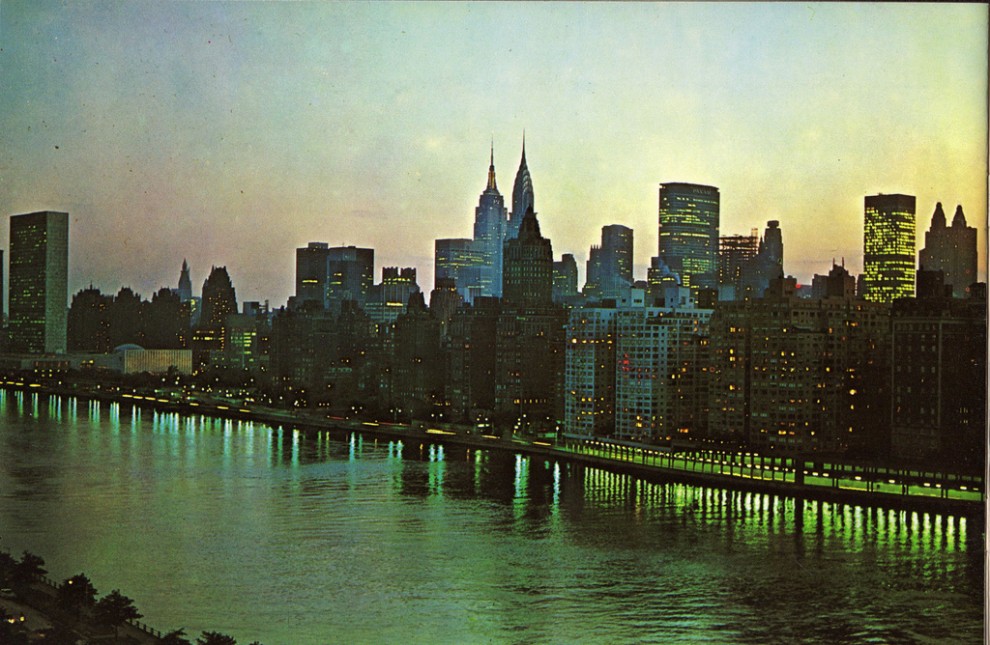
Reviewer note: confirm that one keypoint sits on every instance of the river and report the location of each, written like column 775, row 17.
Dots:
column 281, row 536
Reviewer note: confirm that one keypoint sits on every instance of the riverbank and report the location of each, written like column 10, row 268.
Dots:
column 788, row 476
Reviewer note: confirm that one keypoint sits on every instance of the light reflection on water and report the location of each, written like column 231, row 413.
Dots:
column 286, row 537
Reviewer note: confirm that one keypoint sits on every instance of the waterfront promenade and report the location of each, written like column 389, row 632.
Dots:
column 797, row 476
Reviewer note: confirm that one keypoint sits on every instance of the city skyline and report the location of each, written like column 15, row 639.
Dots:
column 177, row 131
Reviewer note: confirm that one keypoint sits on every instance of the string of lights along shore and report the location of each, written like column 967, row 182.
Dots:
column 716, row 343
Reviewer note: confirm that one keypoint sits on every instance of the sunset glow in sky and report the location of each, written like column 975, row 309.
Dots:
column 233, row 133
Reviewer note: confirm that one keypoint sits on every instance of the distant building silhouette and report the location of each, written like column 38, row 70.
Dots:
column 951, row 249
column 39, row 291
column 888, row 247
column 528, row 275
column 688, row 233
column 733, row 253
column 458, row 260
column 185, row 284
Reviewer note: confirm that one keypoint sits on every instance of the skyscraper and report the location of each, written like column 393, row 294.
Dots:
column 522, row 196
column 311, row 273
column 609, row 268
column 565, row 278
column 951, row 249
column 458, row 260
column 688, row 232
column 733, row 253
column 39, row 289
column 185, row 284
column 888, row 247
column 490, row 219
column 528, row 278
column 350, row 275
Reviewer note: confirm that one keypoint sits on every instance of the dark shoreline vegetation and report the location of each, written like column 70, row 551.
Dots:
column 73, row 611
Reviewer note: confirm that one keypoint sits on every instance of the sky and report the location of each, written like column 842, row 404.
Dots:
column 230, row 134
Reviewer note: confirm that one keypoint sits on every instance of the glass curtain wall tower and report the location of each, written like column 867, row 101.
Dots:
column 888, row 247
column 688, row 233
column 39, row 288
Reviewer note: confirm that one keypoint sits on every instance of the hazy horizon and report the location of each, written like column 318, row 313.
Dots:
column 233, row 133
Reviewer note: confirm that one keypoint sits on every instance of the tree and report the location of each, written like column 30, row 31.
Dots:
column 30, row 567
column 176, row 637
column 77, row 593
column 114, row 609
column 215, row 638
column 7, row 567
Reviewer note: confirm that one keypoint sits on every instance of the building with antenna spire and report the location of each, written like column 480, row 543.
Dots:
column 490, row 218
column 522, row 196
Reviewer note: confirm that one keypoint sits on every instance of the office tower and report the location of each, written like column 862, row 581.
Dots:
column 565, row 278
column 39, row 291
column 185, row 284
column 388, row 300
column 951, row 249
column 939, row 380
column 528, row 276
column 350, row 275
column 609, row 269
column 444, row 301
column 471, row 362
column 2, row 292
column 688, row 233
column 458, row 260
column 522, row 197
column 589, row 371
column 489, row 234
column 660, row 377
column 888, row 247
column 734, row 251
column 766, row 266
column 311, row 274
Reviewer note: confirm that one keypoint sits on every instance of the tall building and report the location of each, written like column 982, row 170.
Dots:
column 888, row 247
column 185, row 284
column 490, row 219
column 219, row 299
column 733, row 253
column 523, row 199
column 350, row 275
column 458, row 260
column 951, row 249
column 688, row 233
column 609, row 270
column 311, row 274
column 565, row 278
column 527, row 281
column 39, row 288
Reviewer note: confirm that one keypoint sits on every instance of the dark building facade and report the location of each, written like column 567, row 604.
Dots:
column 939, row 381
column 312, row 263
column 951, row 249
column 565, row 278
column 39, row 290
column 350, row 275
